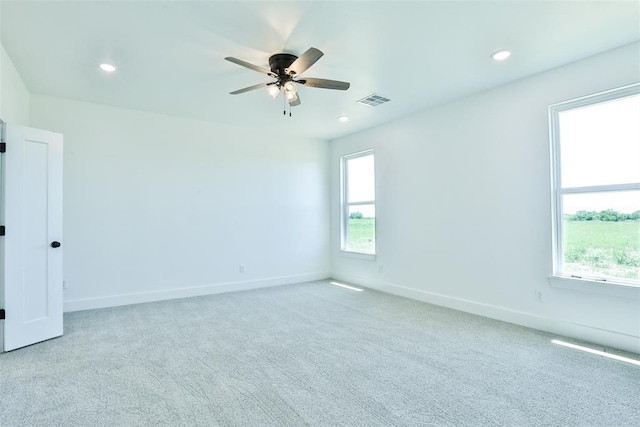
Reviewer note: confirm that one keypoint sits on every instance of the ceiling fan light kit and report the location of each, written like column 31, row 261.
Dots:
column 286, row 69
column 273, row 90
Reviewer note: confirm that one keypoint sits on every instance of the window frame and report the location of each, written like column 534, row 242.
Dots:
column 345, row 204
column 557, row 191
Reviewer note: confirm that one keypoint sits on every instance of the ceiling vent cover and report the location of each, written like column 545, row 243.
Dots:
column 373, row 100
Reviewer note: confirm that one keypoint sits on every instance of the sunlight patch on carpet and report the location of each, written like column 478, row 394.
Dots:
column 598, row 352
column 342, row 285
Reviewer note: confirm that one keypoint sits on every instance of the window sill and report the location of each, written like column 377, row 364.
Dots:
column 613, row 289
column 358, row 255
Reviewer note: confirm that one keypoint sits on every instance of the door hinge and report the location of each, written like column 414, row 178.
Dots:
column 1, row 230
column 2, row 314
column 3, row 147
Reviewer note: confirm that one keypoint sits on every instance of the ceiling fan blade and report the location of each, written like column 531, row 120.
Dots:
column 250, row 66
column 305, row 61
column 250, row 88
column 296, row 101
column 324, row 83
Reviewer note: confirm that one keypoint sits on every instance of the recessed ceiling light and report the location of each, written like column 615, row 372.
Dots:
column 343, row 118
column 500, row 55
column 108, row 68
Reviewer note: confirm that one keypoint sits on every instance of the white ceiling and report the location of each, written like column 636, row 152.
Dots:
column 418, row 53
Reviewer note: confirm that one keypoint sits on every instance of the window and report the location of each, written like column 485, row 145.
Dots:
column 358, row 203
column 596, row 186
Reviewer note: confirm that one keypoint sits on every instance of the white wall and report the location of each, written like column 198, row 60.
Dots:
column 14, row 96
column 463, row 207
column 160, row 207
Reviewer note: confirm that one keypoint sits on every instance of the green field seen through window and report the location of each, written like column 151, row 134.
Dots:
column 602, row 248
column 362, row 234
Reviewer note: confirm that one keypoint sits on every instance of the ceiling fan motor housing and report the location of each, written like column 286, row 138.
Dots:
column 279, row 63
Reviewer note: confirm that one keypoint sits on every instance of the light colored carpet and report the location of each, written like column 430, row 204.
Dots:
column 308, row 354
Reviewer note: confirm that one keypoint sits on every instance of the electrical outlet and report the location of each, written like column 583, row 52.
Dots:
column 241, row 268
column 538, row 295
column 65, row 283
column 380, row 269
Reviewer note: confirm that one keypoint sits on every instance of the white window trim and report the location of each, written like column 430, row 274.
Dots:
column 611, row 289
column 344, row 207
column 559, row 279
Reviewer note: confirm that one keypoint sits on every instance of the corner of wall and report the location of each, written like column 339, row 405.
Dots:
column 14, row 95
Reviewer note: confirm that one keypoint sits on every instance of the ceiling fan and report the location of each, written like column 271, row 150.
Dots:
column 286, row 69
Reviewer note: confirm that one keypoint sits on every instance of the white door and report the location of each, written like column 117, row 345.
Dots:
column 32, row 274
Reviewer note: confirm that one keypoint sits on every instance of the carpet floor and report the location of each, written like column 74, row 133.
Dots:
column 311, row 354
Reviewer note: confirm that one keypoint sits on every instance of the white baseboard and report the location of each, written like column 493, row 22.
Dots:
column 582, row 332
column 166, row 294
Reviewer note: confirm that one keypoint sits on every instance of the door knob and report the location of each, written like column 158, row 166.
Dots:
column 55, row 244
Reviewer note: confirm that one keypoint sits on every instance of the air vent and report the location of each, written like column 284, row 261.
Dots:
column 373, row 100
